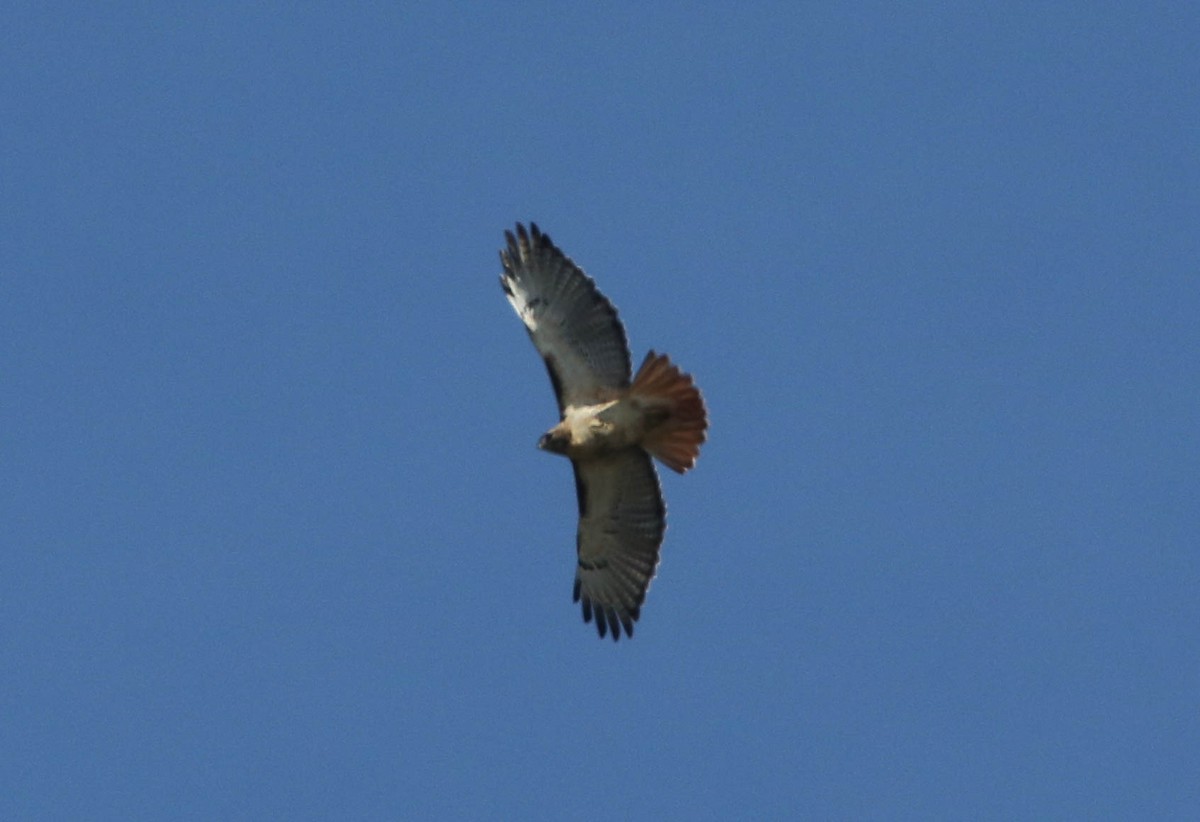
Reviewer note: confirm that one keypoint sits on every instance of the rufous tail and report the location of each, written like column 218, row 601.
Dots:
column 660, row 385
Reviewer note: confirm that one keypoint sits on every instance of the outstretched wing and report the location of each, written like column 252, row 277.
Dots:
column 621, row 523
column 574, row 327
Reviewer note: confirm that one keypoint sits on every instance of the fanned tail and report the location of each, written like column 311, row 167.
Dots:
column 675, row 441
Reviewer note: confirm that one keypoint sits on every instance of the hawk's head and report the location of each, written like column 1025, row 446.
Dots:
column 555, row 441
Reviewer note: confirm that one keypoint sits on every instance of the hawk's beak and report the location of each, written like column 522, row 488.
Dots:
column 555, row 445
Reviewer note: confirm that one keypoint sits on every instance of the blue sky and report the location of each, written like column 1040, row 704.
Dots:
column 277, row 543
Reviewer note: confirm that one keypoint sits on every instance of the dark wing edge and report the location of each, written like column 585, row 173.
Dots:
column 573, row 326
column 622, row 519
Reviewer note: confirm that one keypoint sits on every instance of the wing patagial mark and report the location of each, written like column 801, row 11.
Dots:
column 555, row 383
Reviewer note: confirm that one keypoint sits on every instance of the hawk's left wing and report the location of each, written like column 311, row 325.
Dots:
column 574, row 327
column 621, row 523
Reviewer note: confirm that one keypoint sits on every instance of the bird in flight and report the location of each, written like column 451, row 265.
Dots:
column 609, row 427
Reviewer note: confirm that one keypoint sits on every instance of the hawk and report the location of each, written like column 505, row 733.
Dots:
column 609, row 427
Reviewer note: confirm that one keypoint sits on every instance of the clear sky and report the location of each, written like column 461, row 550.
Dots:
column 275, row 540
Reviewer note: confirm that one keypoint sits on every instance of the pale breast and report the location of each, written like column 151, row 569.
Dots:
column 606, row 426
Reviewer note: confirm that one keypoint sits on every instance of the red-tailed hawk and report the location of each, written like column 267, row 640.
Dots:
column 609, row 428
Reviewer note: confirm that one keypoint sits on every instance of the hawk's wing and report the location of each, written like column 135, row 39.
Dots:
column 621, row 523
column 574, row 327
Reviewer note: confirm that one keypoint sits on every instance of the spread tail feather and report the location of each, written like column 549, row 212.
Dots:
column 675, row 441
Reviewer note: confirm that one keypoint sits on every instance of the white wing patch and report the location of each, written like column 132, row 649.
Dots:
column 521, row 305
